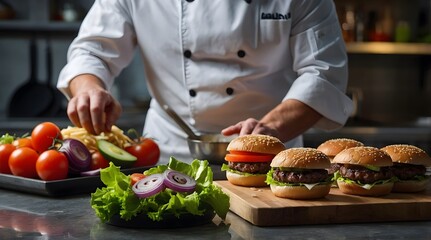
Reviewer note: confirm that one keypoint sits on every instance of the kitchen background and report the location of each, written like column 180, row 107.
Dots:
column 388, row 41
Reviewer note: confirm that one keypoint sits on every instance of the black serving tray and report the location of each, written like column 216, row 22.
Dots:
column 65, row 187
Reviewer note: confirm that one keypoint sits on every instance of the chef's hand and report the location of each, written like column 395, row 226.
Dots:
column 91, row 106
column 250, row 126
column 285, row 122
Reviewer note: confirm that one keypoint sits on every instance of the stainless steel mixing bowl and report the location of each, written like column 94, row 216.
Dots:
column 211, row 147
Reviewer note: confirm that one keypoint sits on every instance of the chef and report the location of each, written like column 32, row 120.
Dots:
column 230, row 66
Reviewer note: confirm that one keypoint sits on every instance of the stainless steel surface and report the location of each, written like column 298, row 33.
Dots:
column 180, row 122
column 26, row 216
column 210, row 147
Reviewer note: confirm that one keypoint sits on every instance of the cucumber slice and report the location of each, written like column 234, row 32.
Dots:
column 115, row 154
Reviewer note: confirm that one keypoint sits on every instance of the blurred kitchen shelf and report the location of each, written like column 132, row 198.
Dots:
column 25, row 26
column 389, row 48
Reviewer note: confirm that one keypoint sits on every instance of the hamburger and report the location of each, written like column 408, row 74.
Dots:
column 249, row 157
column 364, row 171
column 300, row 173
column 409, row 167
column 334, row 146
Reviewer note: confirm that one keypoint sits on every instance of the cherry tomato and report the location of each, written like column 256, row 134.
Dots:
column 135, row 177
column 98, row 161
column 22, row 142
column 5, row 151
column 43, row 136
column 146, row 150
column 52, row 165
column 22, row 162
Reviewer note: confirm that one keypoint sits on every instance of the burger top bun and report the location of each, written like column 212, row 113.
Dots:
column 364, row 156
column 256, row 143
column 333, row 146
column 309, row 158
column 403, row 153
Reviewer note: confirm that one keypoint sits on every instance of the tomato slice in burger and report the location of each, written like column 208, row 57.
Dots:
column 240, row 156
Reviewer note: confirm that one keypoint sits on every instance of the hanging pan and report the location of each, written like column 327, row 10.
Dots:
column 32, row 99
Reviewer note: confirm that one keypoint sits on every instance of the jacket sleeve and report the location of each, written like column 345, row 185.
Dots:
column 104, row 46
column 320, row 60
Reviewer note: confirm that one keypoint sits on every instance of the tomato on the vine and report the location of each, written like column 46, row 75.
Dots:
column 5, row 151
column 22, row 162
column 146, row 150
column 44, row 135
column 135, row 177
column 22, row 142
column 52, row 165
column 98, row 161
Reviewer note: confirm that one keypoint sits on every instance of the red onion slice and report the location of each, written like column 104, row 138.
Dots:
column 149, row 186
column 179, row 182
column 78, row 155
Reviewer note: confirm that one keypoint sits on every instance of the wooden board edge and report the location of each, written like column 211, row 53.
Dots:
column 332, row 214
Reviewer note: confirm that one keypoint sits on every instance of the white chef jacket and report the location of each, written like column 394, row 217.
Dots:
column 217, row 62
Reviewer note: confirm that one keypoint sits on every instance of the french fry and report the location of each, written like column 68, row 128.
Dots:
column 116, row 136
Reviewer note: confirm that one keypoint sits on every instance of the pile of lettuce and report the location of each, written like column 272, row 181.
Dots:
column 118, row 197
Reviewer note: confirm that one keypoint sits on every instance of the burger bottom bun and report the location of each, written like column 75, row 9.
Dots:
column 301, row 192
column 354, row 189
column 410, row 186
column 246, row 180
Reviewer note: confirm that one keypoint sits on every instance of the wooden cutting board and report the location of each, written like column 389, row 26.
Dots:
column 260, row 207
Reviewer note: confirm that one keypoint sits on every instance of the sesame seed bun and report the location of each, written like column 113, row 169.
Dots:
column 249, row 180
column 305, row 158
column 333, row 146
column 256, row 143
column 301, row 192
column 364, row 156
column 410, row 186
column 375, row 191
column 409, row 154
column 309, row 158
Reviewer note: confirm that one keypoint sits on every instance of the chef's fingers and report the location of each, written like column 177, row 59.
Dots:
column 242, row 128
column 248, row 126
column 72, row 112
column 112, row 113
column 260, row 128
column 83, row 104
column 231, row 130
column 100, row 104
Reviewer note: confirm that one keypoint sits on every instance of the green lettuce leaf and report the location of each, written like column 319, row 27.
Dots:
column 117, row 197
column 366, row 185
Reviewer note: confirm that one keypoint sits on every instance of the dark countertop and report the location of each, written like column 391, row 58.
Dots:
column 27, row 216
